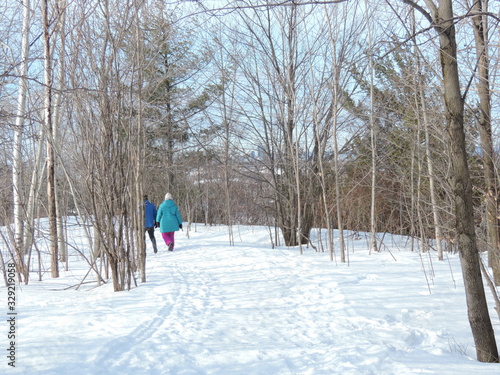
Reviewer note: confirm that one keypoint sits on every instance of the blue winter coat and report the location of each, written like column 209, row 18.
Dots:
column 168, row 216
column 149, row 214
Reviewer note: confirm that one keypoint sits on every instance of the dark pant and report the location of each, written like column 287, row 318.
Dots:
column 151, row 232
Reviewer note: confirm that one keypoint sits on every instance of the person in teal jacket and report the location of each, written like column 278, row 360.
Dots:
column 170, row 220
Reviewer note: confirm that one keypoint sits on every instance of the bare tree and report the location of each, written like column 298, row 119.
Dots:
column 18, row 140
column 441, row 17
column 226, row 76
column 373, row 141
column 138, row 145
column 329, row 103
column 480, row 26
column 107, row 125
column 57, row 119
column 282, row 126
column 49, row 126
column 421, row 105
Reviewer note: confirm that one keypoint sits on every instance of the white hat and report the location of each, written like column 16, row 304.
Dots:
column 168, row 196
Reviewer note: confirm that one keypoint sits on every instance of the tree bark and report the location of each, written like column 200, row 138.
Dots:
column 50, row 142
column 61, row 236
column 18, row 140
column 441, row 18
column 373, row 139
column 479, row 318
column 484, row 92
column 138, row 148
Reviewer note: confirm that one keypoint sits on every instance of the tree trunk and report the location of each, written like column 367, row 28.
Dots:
column 338, row 198
column 373, row 139
column 479, row 318
column 50, row 142
column 18, row 141
column 226, row 123
column 61, row 235
column 484, row 92
column 432, row 181
column 138, row 148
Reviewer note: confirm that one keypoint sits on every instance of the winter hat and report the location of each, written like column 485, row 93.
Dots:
column 168, row 196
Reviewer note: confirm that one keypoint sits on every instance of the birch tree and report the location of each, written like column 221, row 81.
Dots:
column 58, row 110
column 17, row 156
column 49, row 127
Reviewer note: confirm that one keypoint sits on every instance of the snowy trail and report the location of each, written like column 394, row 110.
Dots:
column 213, row 309
column 243, row 298
column 274, row 309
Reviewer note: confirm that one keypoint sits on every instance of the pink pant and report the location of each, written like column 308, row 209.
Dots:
column 168, row 238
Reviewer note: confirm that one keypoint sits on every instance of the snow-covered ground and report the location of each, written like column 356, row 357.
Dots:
column 211, row 308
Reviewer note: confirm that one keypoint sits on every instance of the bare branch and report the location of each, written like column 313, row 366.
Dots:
column 430, row 4
column 267, row 5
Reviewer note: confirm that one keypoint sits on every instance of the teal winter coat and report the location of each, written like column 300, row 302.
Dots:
column 168, row 216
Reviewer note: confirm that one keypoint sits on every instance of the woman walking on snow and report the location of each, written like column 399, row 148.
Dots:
column 170, row 220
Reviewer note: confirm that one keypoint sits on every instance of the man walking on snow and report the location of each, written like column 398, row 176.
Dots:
column 150, row 221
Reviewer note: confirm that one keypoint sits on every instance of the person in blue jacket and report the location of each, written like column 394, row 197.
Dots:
column 150, row 221
column 170, row 220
